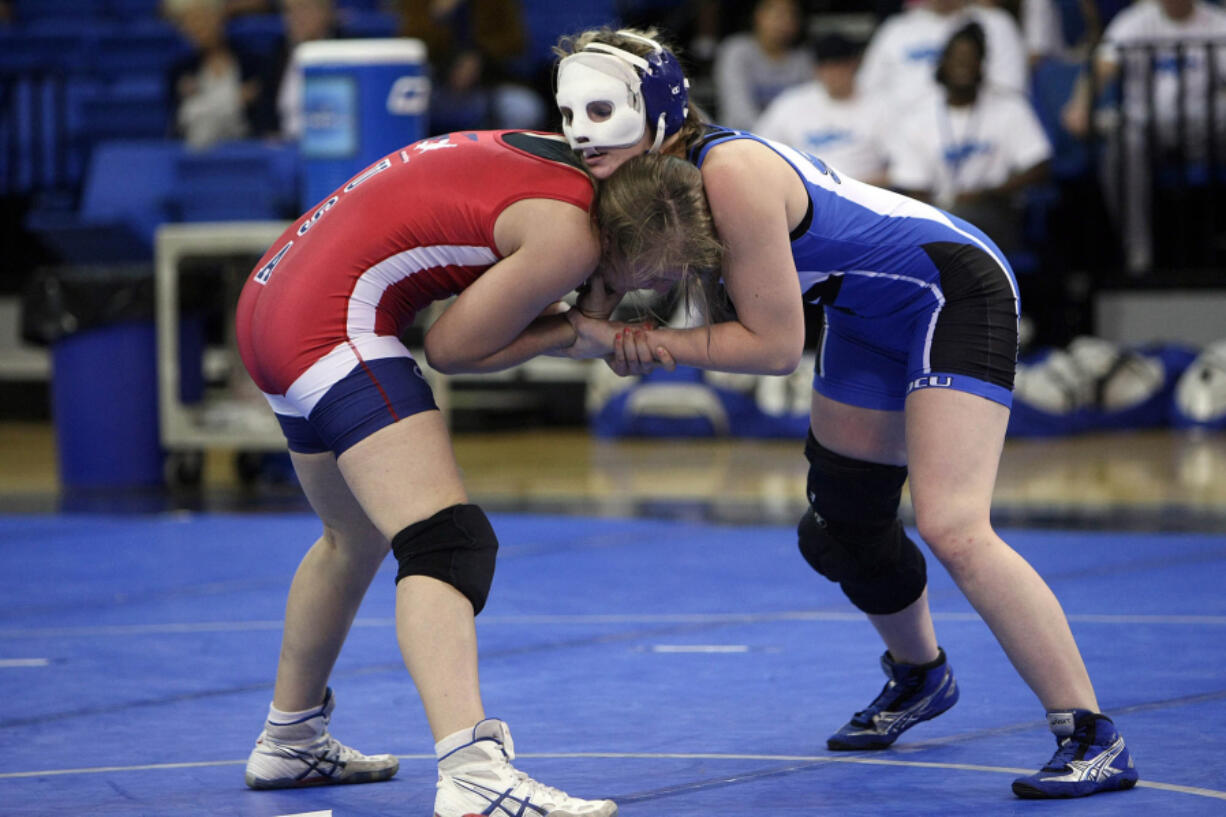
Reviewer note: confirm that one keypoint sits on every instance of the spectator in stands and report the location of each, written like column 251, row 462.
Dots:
column 280, row 111
column 828, row 118
column 1154, row 81
column 698, row 26
column 215, row 87
column 753, row 67
column 472, row 46
column 975, row 148
column 904, row 50
column 1157, row 21
column 1060, row 29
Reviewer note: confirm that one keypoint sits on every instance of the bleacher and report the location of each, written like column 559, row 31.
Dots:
column 85, row 124
column 86, row 155
column 85, row 121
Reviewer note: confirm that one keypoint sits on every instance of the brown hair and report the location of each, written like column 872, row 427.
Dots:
column 654, row 221
column 569, row 44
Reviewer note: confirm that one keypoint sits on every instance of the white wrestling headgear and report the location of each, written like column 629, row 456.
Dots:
column 623, row 91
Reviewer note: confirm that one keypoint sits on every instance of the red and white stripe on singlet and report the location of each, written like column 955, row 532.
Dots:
column 345, row 279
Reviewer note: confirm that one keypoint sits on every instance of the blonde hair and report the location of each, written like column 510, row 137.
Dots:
column 573, row 43
column 655, row 222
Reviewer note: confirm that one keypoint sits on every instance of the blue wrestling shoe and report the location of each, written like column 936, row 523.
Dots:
column 914, row 693
column 1091, row 758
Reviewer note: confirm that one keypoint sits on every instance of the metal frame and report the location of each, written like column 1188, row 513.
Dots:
column 251, row 427
column 183, row 426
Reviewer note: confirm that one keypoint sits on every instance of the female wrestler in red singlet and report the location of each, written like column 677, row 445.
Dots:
column 501, row 220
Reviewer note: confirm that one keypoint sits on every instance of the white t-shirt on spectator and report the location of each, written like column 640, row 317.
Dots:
column 947, row 151
column 1145, row 22
column 747, row 80
column 903, row 53
column 1043, row 32
column 843, row 133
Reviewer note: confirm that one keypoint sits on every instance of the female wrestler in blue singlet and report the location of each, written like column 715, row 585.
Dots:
column 914, row 375
column 913, row 297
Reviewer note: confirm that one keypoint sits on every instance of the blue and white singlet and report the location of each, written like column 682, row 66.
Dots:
column 913, row 297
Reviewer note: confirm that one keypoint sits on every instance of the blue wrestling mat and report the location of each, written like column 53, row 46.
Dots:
column 681, row 669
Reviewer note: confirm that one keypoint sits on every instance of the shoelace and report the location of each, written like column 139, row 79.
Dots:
column 339, row 752
column 536, row 787
column 890, row 694
column 1067, row 752
column 327, row 749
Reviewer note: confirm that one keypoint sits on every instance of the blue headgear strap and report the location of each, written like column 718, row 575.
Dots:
column 663, row 85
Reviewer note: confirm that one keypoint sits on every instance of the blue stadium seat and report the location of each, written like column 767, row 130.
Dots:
column 235, row 181
column 46, row 46
column 83, row 28
column 547, row 20
column 29, row 10
column 128, row 109
column 123, row 201
column 26, row 10
column 134, row 9
column 100, row 110
column 140, row 48
column 258, row 34
column 134, row 186
column 361, row 23
column 50, row 120
column 33, row 109
column 1051, row 86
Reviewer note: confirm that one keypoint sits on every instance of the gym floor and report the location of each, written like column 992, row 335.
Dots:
column 652, row 635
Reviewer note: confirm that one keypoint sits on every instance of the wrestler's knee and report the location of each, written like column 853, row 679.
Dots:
column 957, row 534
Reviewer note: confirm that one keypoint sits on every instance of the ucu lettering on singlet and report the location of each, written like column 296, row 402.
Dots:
column 937, row 381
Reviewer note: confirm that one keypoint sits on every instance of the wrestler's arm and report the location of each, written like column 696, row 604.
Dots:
column 506, row 317
column 745, row 184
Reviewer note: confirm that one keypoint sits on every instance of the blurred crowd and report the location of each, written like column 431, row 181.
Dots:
column 817, row 74
column 940, row 99
column 983, row 107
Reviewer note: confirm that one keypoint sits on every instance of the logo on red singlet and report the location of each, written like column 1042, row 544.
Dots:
column 265, row 272
column 434, row 144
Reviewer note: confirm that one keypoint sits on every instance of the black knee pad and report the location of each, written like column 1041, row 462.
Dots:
column 457, row 546
column 851, row 533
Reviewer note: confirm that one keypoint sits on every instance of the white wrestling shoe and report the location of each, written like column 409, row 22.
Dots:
column 476, row 778
column 300, row 752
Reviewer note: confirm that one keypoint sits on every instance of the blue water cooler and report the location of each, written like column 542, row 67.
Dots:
column 361, row 100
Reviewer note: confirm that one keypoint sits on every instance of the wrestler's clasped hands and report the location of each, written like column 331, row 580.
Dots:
column 628, row 348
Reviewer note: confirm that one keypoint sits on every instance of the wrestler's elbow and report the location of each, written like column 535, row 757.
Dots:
column 442, row 358
column 782, row 358
column 780, row 365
